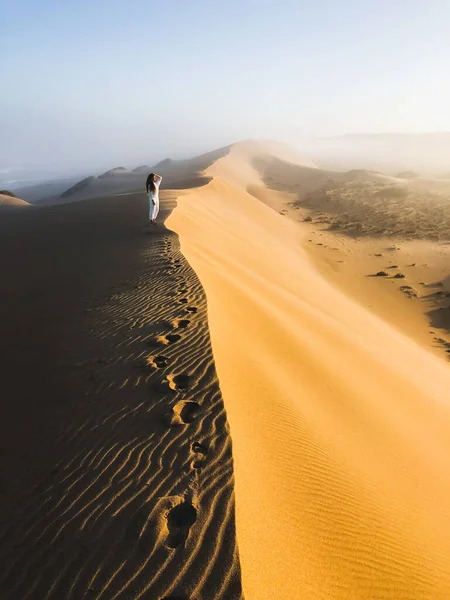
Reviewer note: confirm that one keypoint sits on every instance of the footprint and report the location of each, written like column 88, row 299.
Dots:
column 192, row 309
column 179, row 382
column 181, row 323
column 183, row 301
column 186, row 411
column 170, row 338
column 179, row 521
column 159, row 361
column 199, row 448
column 200, row 452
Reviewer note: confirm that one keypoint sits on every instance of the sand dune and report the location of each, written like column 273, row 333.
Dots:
column 114, row 172
column 78, row 187
column 340, row 423
column 360, row 223
column 361, row 202
column 6, row 200
column 119, row 480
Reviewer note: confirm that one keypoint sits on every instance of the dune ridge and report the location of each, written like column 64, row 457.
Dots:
column 339, row 422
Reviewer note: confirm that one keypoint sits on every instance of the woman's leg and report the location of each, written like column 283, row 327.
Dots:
column 150, row 206
column 156, row 209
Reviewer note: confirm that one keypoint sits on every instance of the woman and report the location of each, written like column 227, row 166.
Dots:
column 152, row 186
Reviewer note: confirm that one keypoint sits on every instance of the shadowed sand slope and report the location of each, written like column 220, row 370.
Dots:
column 340, row 424
column 117, row 478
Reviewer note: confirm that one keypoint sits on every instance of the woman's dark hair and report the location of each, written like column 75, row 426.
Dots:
column 151, row 183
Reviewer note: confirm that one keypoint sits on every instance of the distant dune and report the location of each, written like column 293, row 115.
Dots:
column 35, row 194
column 364, row 202
column 113, row 172
column 408, row 175
column 78, row 187
column 9, row 199
column 164, row 163
column 362, row 175
column 141, row 169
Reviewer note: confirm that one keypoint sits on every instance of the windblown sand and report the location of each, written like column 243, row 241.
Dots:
column 340, row 422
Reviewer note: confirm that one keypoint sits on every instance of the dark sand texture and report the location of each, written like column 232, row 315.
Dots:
column 117, row 476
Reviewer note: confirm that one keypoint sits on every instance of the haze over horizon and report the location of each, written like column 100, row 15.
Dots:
column 92, row 85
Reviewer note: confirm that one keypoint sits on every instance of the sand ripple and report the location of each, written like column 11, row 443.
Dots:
column 139, row 502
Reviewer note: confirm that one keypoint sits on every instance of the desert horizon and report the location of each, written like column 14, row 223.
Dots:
column 421, row 154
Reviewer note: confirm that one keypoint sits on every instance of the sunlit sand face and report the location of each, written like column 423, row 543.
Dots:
column 339, row 419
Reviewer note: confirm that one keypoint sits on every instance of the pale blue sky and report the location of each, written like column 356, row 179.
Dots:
column 106, row 81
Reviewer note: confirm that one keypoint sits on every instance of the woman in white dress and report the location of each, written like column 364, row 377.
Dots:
column 152, row 187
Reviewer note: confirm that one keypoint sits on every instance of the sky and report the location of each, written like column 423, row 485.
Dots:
column 102, row 83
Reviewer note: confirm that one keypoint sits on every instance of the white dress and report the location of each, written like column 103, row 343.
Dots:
column 153, row 198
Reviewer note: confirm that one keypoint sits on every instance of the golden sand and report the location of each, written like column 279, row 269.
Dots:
column 340, row 423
